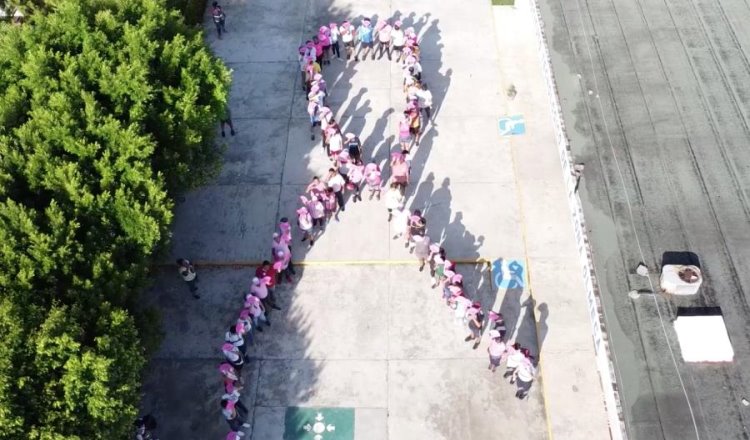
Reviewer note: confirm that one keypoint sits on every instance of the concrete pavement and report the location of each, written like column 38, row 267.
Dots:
column 372, row 340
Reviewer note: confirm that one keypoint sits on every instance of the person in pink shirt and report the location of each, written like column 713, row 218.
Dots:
column 305, row 223
column 384, row 38
column 496, row 350
column 497, row 321
column 331, row 204
column 318, row 51
column 245, row 326
column 233, row 356
column 257, row 311
column 259, row 289
column 229, row 373
column 281, row 264
column 373, row 179
column 355, row 174
column 399, row 170
column 317, row 209
column 324, row 36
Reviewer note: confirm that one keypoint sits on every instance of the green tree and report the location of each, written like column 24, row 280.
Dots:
column 107, row 110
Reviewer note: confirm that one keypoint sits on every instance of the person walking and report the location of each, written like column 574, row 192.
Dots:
column 355, row 175
column 497, row 322
column 226, row 119
column 219, row 18
column 245, row 326
column 234, row 435
column 524, row 374
column 437, row 264
column 417, row 227
column 364, row 35
column 475, row 318
column 496, row 350
column 404, row 132
column 400, row 170
column 354, row 147
column 189, row 275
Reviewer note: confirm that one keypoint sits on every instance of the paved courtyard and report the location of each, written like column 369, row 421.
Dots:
column 362, row 339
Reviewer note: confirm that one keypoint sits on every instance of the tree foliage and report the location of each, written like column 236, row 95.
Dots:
column 107, row 109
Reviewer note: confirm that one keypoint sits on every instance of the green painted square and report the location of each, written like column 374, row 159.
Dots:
column 318, row 423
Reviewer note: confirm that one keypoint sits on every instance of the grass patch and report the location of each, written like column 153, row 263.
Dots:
column 503, row 2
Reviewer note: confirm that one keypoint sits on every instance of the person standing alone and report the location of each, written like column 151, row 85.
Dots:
column 188, row 273
column 219, row 18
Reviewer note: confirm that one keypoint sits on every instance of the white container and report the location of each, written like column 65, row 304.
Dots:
column 678, row 279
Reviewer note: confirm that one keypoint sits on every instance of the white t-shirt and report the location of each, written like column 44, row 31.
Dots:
column 305, row 222
column 337, row 182
column 425, row 98
column 234, row 339
column 336, row 143
column 397, row 37
column 347, row 36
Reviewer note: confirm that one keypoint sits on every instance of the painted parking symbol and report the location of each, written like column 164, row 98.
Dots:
column 509, row 273
column 512, row 125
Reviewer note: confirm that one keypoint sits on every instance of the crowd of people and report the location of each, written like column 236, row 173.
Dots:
column 325, row 197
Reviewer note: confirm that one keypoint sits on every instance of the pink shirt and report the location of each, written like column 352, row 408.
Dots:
column 261, row 290
column 252, row 304
column 374, row 179
column 356, row 173
column 305, row 222
column 496, row 348
column 324, row 39
column 403, row 128
column 317, row 208
column 385, row 34
column 283, row 263
column 286, row 231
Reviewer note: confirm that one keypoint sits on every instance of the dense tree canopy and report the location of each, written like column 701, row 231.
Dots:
column 107, row 109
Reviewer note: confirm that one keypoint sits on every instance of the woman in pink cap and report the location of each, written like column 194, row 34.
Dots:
column 234, row 419
column 335, row 34
column 398, row 39
column 285, row 229
column 281, row 264
column 347, row 37
column 373, row 179
column 356, row 175
column 497, row 321
column 496, row 350
column 384, row 38
column 305, row 223
column 324, row 36
column 229, row 373
column 513, row 359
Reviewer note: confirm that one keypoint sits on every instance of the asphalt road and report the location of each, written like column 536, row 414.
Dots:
column 656, row 100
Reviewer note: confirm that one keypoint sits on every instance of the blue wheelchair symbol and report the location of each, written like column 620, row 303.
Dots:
column 512, row 125
column 508, row 274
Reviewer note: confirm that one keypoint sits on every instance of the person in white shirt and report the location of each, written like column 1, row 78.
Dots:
column 189, row 275
column 394, row 199
column 513, row 359
column 424, row 100
column 524, row 374
column 336, row 182
column 236, row 339
column 398, row 40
